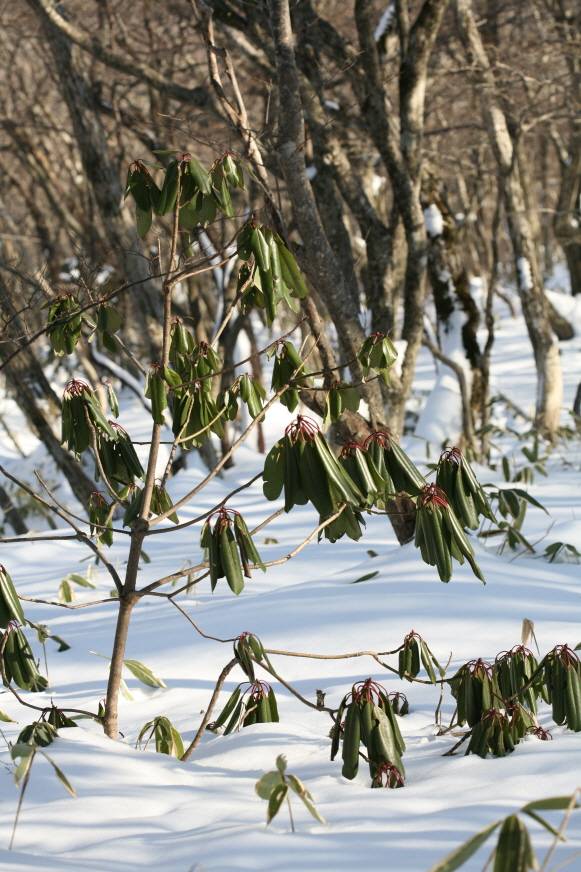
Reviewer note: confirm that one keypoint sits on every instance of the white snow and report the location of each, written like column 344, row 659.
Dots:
column 121, row 373
column 478, row 291
column 441, row 418
column 434, row 220
column 525, row 276
column 139, row 810
column 401, row 348
column 104, row 274
column 567, row 306
column 377, row 184
column 384, row 22
column 560, row 279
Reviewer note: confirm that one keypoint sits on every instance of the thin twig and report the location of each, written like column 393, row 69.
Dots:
column 267, row 521
column 279, row 561
column 94, row 445
column 228, row 454
column 227, row 317
column 437, row 713
column 203, row 516
column 457, row 745
column 306, row 541
column 196, row 627
column 206, row 719
column 219, row 466
column 268, row 667
column 45, row 537
column 81, row 535
column 346, row 656
column 43, row 602
column 8, row 685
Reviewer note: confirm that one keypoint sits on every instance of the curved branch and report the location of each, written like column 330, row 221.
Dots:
column 206, row 719
column 122, row 63
column 81, row 536
column 204, row 515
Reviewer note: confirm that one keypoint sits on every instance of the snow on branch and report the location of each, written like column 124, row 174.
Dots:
column 434, row 220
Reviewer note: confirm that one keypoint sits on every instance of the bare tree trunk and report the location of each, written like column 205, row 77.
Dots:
column 456, row 311
column 567, row 221
column 493, row 267
column 100, row 170
column 338, row 178
column 577, row 402
column 380, row 274
column 111, row 719
column 402, row 157
column 319, row 260
column 567, row 214
column 11, row 513
column 331, row 210
column 530, row 288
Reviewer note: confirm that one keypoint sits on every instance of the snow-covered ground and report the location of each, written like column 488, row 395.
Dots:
column 140, row 810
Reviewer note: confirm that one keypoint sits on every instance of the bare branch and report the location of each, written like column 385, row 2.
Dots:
column 81, row 535
column 141, row 71
column 72, row 606
column 206, row 719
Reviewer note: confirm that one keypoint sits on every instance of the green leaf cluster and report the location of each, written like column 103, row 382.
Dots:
column 254, row 705
column 269, row 274
column 166, row 737
column 229, row 550
column 274, row 787
column 456, row 478
column 369, row 721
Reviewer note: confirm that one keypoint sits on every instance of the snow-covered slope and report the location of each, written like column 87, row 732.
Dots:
column 139, row 810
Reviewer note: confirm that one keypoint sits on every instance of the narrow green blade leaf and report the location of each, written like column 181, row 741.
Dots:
column 21, row 749
column 177, row 743
column 525, row 495
column 61, row 776
column 277, row 798
column 143, row 673
column 143, row 221
column 555, row 803
column 23, row 767
column 366, row 577
column 228, row 708
column 8, row 593
column 460, row 855
column 81, row 580
column 309, row 805
column 301, row 791
column 540, row 820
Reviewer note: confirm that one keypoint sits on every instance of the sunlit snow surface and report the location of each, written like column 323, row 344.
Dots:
column 137, row 810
